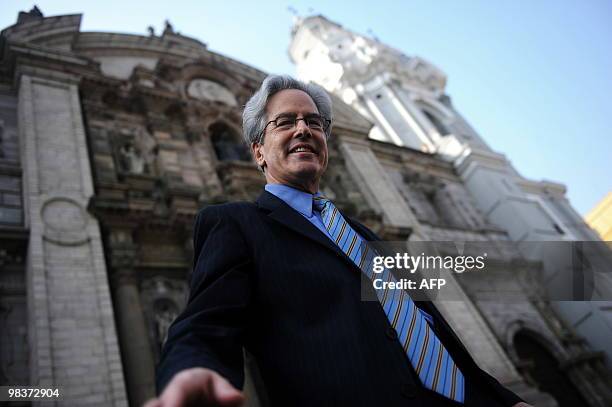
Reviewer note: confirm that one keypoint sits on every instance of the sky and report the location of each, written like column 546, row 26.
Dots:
column 533, row 77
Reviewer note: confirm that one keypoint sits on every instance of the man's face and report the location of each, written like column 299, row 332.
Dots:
column 296, row 157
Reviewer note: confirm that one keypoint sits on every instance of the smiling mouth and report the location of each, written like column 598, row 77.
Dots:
column 302, row 149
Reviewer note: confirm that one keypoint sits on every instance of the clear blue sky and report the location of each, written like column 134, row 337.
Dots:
column 533, row 77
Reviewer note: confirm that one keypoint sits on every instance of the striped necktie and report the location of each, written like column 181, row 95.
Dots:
column 428, row 356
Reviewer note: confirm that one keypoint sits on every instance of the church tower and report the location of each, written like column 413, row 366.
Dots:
column 404, row 98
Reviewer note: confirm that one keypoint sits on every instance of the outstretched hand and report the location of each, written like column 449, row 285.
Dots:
column 198, row 387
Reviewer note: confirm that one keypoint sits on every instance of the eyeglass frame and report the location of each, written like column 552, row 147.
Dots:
column 326, row 123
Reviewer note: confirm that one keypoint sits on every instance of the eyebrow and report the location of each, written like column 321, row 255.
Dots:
column 292, row 114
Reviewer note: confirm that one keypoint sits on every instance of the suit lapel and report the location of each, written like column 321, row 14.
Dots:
column 278, row 210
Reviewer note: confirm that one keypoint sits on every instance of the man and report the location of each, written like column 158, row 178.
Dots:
column 281, row 278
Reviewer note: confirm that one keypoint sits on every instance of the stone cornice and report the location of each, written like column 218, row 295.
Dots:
column 542, row 187
column 93, row 44
column 59, row 40
column 490, row 159
column 21, row 58
column 30, row 50
column 40, row 30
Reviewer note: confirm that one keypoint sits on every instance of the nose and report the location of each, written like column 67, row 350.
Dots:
column 301, row 127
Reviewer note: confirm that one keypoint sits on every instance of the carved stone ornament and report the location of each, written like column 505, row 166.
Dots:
column 204, row 89
column 65, row 222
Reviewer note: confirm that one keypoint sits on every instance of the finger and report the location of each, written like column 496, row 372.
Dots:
column 153, row 403
column 177, row 393
column 200, row 386
column 225, row 394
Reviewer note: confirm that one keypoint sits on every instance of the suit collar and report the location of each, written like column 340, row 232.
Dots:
column 278, row 210
column 299, row 200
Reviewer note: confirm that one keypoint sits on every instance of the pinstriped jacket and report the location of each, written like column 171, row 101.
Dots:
column 266, row 279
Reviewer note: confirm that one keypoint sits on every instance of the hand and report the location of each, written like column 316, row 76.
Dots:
column 521, row 404
column 198, row 387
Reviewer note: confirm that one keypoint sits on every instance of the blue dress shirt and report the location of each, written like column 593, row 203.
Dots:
column 301, row 202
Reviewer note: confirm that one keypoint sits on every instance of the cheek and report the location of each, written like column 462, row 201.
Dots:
column 277, row 150
column 275, row 156
column 325, row 158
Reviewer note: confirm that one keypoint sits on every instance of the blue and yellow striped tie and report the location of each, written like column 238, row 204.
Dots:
column 430, row 359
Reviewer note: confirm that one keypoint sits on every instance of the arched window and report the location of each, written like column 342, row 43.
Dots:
column 545, row 370
column 227, row 144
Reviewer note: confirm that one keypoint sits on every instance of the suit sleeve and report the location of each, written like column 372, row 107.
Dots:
column 210, row 331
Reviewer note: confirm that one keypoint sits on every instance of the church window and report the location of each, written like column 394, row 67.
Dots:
column 10, row 200
column 546, row 371
column 227, row 144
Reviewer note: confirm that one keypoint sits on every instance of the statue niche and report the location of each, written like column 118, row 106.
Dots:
column 135, row 151
column 227, row 143
column 164, row 312
column 130, row 159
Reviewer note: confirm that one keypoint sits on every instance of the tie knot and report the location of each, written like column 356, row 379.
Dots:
column 320, row 202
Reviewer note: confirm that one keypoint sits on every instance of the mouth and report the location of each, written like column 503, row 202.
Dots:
column 302, row 148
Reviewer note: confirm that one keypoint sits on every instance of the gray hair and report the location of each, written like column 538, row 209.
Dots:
column 254, row 115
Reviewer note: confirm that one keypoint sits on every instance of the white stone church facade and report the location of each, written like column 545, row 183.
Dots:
column 110, row 143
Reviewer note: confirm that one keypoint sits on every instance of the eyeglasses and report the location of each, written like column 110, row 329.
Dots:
column 287, row 122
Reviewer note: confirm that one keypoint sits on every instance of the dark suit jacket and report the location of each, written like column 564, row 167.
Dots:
column 266, row 279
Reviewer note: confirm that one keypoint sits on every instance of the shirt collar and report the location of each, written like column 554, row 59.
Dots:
column 299, row 200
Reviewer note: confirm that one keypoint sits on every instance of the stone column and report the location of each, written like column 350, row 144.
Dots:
column 133, row 336
column 71, row 329
column 376, row 187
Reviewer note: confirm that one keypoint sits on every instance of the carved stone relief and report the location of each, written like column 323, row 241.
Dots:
column 65, row 221
column 437, row 202
column 205, row 89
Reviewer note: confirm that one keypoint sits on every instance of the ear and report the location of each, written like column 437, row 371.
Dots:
column 258, row 153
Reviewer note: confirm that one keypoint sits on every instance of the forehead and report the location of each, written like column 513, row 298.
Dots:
column 290, row 101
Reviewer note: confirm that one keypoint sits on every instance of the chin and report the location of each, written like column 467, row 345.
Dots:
column 307, row 171
column 305, row 176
